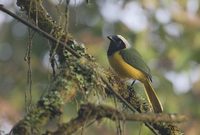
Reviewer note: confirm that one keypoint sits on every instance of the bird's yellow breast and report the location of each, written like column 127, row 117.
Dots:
column 124, row 69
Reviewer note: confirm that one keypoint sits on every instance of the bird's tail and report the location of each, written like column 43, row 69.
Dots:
column 152, row 97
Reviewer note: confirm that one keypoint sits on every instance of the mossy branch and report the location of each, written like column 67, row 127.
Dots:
column 89, row 113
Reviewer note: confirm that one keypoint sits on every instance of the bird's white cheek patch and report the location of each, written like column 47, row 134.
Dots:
column 125, row 41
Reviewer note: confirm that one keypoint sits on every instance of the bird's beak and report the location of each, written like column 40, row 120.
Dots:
column 110, row 38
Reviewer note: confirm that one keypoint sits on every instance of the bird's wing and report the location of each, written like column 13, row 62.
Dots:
column 133, row 58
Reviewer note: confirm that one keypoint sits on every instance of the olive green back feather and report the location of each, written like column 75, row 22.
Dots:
column 133, row 58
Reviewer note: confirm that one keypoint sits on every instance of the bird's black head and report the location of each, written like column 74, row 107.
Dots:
column 117, row 43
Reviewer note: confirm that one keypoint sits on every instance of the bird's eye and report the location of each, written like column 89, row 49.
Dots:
column 120, row 42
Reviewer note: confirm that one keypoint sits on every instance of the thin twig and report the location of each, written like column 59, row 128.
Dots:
column 37, row 29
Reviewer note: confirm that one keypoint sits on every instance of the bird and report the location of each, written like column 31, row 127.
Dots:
column 128, row 63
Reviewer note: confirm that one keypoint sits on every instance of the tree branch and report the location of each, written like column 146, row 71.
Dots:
column 89, row 113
